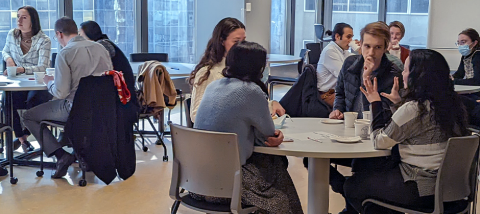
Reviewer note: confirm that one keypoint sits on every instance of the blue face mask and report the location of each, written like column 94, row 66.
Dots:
column 464, row 50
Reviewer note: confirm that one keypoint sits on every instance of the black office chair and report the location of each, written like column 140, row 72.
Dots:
column 314, row 54
column 142, row 57
column 319, row 33
column 275, row 80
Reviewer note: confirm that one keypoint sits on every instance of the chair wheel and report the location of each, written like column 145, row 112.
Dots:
column 13, row 180
column 40, row 173
column 165, row 158
column 82, row 183
column 158, row 142
column 145, row 149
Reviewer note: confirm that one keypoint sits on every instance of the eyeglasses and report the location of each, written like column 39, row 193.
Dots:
column 55, row 36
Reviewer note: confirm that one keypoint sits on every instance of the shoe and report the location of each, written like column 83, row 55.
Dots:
column 3, row 171
column 16, row 144
column 27, row 147
column 62, row 165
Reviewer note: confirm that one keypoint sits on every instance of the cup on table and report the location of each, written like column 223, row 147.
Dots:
column 349, row 119
column 367, row 115
column 354, row 46
column 51, row 71
column 362, row 129
column 12, row 71
column 366, row 122
column 39, row 77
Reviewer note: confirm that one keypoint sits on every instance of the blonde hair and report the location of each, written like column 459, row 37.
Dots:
column 376, row 29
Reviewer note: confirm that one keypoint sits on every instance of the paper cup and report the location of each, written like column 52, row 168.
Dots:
column 39, row 77
column 362, row 129
column 349, row 119
column 353, row 46
column 50, row 71
column 12, row 71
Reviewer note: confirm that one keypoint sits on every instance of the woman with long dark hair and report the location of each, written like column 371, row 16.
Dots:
column 28, row 49
column 90, row 30
column 238, row 104
column 430, row 113
column 468, row 72
column 225, row 34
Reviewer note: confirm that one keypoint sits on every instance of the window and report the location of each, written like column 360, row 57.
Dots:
column 310, row 5
column 419, row 6
column 115, row 17
column 359, row 14
column 397, row 6
column 47, row 12
column 170, row 29
column 278, row 31
column 340, row 5
column 363, row 5
column 414, row 20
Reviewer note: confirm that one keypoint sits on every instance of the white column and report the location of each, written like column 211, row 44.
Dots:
column 318, row 185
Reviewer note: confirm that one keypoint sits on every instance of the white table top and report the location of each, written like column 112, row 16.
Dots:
column 326, row 149
column 173, row 68
column 21, row 83
column 280, row 58
column 466, row 89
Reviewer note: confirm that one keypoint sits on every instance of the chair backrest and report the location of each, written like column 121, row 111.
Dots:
column 454, row 175
column 304, row 60
column 4, row 64
column 319, row 31
column 205, row 162
column 142, row 57
column 54, row 57
column 314, row 54
column 188, row 103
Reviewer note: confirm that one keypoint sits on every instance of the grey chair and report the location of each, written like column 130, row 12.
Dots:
column 314, row 53
column 319, row 33
column 207, row 163
column 456, row 186
column 276, row 80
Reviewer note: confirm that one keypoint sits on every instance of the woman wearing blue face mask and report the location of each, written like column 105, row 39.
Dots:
column 468, row 72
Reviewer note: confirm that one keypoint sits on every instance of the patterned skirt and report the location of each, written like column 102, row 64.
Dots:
column 266, row 185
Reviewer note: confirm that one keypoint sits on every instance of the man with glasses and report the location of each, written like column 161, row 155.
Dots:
column 79, row 58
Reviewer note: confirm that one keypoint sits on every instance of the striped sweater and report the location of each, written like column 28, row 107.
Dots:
column 421, row 143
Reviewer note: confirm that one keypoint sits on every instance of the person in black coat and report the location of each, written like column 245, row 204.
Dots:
column 348, row 98
column 90, row 30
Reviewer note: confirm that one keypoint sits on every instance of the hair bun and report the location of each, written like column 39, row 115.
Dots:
column 328, row 32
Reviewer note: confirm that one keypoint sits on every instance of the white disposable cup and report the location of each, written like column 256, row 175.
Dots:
column 50, row 71
column 39, row 77
column 12, row 71
column 366, row 122
column 362, row 130
column 349, row 119
column 354, row 46
column 367, row 115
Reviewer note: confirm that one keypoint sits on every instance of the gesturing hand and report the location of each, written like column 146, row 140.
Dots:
column 394, row 96
column 372, row 90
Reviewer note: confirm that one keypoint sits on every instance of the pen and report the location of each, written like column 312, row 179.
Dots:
column 176, row 69
column 315, row 140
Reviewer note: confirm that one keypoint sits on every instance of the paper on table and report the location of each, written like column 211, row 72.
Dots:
column 310, row 135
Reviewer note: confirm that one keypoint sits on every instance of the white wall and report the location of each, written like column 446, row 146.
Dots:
column 207, row 14
column 447, row 19
column 258, row 21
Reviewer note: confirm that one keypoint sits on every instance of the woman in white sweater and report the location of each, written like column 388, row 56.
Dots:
column 430, row 113
column 226, row 33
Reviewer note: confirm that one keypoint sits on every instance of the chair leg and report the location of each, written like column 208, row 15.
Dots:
column 42, row 127
column 159, row 141
column 144, row 148
column 176, row 204
column 271, row 90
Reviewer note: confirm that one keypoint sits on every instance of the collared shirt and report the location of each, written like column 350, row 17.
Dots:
column 329, row 66
column 37, row 59
column 80, row 58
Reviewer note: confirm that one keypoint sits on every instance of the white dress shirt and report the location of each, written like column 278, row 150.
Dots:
column 329, row 66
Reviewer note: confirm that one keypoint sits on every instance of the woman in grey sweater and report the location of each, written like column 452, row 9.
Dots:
column 431, row 112
column 238, row 104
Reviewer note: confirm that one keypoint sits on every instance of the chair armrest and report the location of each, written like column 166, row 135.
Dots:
column 392, row 207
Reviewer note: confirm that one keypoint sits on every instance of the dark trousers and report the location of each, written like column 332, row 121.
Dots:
column 384, row 184
column 24, row 100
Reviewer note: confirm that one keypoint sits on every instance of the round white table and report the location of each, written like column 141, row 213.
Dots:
column 319, row 154
column 466, row 89
column 280, row 58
